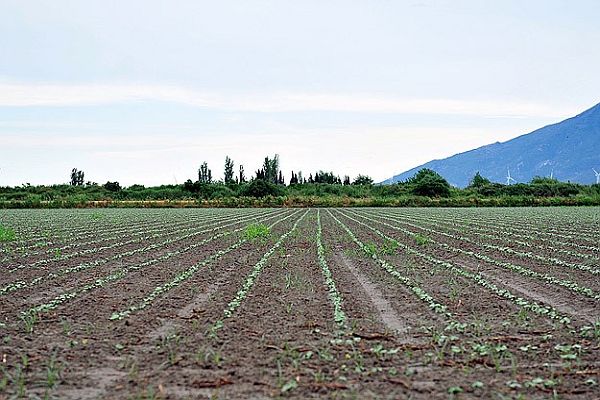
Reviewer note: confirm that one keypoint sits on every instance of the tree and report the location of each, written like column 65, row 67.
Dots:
column 77, row 177
column 204, row 173
column 363, row 180
column 479, row 181
column 427, row 182
column 112, row 186
column 242, row 176
column 293, row 179
column 346, row 180
column 228, row 171
column 270, row 169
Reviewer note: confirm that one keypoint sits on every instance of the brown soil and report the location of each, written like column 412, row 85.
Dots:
column 283, row 341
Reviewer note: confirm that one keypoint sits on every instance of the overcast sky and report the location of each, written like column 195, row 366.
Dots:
column 144, row 91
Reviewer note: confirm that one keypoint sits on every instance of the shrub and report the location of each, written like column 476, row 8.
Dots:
column 260, row 188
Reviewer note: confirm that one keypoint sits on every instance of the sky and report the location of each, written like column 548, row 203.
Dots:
column 145, row 91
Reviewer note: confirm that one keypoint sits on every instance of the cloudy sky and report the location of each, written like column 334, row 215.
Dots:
column 144, row 91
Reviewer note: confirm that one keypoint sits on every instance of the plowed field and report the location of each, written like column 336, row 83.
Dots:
column 325, row 303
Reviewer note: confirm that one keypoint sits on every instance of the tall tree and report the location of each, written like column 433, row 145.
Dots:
column 270, row 169
column 204, row 173
column 242, row 175
column 77, row 177
column 228, row 171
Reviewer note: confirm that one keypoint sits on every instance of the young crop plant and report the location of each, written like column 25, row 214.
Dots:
column 6, row 234
column 256, row 231
column 334, row 295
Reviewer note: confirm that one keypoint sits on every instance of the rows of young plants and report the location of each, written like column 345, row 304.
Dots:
column 30, row 316
column 144, row 249
column 90, row 225
column 525, row 225
column 456, row 269
column 105, row 235
column 577, row 222
column 481, row 226
column 522, row 270
column 508, row 237
column 187, row 273
column 147, row 235
column 334, row 294
column 503, row 249
column 413, row 286
column 251, row 278
column 35, row 231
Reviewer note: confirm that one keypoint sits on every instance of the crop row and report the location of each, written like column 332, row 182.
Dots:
column 334, row 295
column 505, row 249
column 568, row 284
column 21, row 284
column 533, row 306
column 411, row 285
column 182, row 276
column 31, row 313
column 504, row 234
column 98, row 249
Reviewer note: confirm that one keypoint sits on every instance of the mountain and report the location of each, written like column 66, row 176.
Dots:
column 568, row 150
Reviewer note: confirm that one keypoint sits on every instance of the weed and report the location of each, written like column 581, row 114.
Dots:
column 6, row 234
column 256, row 231
column 370, row 249
column 421, row 240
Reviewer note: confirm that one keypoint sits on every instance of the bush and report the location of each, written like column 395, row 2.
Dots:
column 261, row 188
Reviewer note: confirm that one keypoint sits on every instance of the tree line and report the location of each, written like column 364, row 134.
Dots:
column 268, row 181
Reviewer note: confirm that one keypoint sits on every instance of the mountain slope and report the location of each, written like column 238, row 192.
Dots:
column 568, row 149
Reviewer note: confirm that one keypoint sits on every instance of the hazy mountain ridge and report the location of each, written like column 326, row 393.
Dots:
column 568, row 150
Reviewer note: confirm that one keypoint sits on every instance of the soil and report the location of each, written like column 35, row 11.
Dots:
column 282, row 340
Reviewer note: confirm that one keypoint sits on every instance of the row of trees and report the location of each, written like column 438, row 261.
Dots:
column 269, row 180
column 270, row 172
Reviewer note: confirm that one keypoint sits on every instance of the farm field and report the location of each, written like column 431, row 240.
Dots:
column 419, row 303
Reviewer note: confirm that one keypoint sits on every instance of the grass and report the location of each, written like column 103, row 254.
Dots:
column 6, row 234
column 256, row 231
